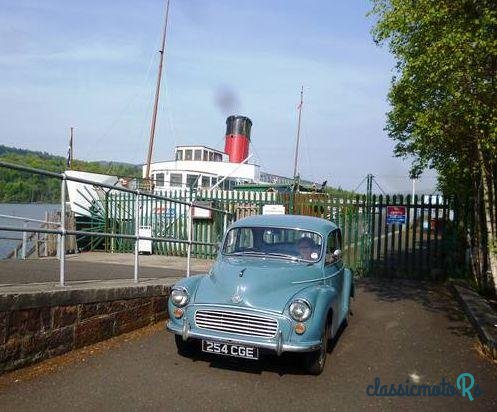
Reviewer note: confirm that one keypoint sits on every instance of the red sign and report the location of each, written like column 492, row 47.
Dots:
column 396, row 215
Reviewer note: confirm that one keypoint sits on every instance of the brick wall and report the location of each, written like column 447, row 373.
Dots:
column 28, row 335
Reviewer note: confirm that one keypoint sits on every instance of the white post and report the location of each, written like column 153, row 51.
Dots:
column 62, row 243
column 413, row 187
column 189, row 248
column 24, row 241
column 137, row 234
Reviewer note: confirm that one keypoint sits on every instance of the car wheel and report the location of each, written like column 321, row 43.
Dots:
column 346, row 321
column 314, row 361
column 184, row 348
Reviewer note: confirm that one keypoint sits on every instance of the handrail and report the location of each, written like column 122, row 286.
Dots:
column 28, row 219
column 137, row 192
column 62, row 232
column 103, row 234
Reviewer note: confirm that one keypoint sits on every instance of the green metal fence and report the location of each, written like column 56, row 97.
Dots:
column 426, row 245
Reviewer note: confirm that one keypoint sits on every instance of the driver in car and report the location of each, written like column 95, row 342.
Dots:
column 305, row 247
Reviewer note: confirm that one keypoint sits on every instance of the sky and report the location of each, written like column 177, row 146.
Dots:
column 93, row 65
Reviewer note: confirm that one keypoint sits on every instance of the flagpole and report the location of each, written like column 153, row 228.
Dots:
column 295, row 171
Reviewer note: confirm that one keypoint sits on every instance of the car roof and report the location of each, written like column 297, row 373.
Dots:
column 310, row 223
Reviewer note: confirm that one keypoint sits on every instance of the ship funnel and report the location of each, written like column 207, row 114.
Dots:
column 237, row 138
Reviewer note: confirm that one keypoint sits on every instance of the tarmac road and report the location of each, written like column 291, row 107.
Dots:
column 400, row 331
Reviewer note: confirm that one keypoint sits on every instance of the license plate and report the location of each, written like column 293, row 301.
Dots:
column 228, row 349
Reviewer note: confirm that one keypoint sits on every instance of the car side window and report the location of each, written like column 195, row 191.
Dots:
column 246, row 240
column 334, row 243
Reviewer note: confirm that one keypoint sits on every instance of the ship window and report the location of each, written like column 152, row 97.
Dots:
column 176, row 179
column 213, row 181
column 179, row 155
column 211, row 156
column 191, row 180
column 198, row 155
column 188, row 154
column 206, row 155
column 218, row 157
column 159, row 179
column 205, row 181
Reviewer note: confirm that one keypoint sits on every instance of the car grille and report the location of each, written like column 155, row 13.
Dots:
column 234, row 322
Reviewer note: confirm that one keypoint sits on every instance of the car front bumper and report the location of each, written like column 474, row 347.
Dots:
column 277, row 344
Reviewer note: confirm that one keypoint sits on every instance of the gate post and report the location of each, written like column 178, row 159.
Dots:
column 62, row 236
column 137, row 234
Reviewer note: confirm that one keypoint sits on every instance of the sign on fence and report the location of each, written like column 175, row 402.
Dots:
column 199, row 213
column 396, row 215
column 273, row 210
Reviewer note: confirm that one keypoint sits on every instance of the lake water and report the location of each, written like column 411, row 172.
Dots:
column 29, row 210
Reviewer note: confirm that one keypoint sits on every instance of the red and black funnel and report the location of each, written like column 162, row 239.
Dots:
column 237, row 138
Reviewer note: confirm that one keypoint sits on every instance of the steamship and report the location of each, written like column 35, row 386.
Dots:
column 203, row 167
column 193, row 167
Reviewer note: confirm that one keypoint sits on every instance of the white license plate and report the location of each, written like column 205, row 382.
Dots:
column 228, row 349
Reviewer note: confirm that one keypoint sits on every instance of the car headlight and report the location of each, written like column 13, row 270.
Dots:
column 300, row 310
column 179, row 297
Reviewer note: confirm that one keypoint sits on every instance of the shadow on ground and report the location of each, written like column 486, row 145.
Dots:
column 432, row 296
column 286, row 364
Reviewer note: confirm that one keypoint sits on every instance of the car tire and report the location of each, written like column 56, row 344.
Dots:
column 314, row 361
column 185, row 348
column 346, row 320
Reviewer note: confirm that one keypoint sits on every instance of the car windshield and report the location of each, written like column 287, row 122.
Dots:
column 275, row 242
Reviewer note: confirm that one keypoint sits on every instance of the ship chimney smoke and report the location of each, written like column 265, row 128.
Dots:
column 237, row 138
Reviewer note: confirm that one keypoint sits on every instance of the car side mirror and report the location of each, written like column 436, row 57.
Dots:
column 337, row 255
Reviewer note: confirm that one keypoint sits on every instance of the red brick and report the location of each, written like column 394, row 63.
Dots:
column 9, row 352
column 93, row 330
column 159, row 304
column 129, row 326
column 88, row 310
column 64, row 316
column 4, row 324
column 45, row 318
column 63, row 337
column 34, row 344
column 24, row 322
column 121, row 305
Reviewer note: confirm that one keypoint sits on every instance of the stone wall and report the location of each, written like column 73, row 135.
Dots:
column 33, row 328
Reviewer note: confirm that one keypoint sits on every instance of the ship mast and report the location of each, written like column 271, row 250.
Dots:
column 295, row 165
column 156, row 102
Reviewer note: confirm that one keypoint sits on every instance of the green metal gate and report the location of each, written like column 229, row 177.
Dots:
column 426, row 245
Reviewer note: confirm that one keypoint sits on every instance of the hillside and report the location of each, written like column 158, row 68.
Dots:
column 25, row 187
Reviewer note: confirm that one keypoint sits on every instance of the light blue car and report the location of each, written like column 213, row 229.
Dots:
column 278, row 284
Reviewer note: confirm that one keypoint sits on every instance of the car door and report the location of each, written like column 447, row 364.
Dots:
column 334, row 269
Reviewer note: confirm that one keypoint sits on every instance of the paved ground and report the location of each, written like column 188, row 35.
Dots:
column 400, row 331
column 96, row 266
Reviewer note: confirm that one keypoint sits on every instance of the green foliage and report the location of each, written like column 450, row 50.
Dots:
column 444, row 92
column 444, row 104
column 26, row 187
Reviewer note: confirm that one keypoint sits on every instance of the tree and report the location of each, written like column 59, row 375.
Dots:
column 444, row 101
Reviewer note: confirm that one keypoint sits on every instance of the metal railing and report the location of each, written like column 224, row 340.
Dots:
column 63, row 232
column 24, row 239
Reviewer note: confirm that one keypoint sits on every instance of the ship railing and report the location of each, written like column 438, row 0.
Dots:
column 63, row 232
